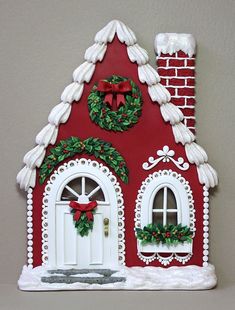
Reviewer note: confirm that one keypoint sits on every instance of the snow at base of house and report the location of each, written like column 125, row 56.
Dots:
column 137, row 278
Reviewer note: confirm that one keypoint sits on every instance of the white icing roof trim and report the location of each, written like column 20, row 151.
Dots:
column 157, row 92
column 170, row 43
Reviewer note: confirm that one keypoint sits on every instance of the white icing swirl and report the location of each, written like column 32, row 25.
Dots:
column 207, row 175
column 47, row 135
column 182, row 134
column 84, row 72
column 137, row 54
column 107, row 33
column 72, row 92
column 171, row 113
column 148, row 75
column 26, row 178
column 159, row 93
column 125, row 34
column 34, row 157
column 95, row 53
column 59, row 114
column 195, row 154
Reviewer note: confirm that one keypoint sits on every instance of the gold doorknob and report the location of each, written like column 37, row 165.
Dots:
column 106, row 227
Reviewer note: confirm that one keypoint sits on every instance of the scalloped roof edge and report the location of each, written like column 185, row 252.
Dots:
column 157, row 92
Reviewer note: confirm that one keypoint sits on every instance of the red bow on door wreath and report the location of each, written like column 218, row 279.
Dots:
column 118, row 89
column 83, row 208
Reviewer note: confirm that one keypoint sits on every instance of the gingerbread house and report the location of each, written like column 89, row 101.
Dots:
column 117, row 188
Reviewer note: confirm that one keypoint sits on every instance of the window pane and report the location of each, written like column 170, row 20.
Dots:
column 171, row 202
column 158, row 200
column 75, row 186
column 171, row 218
column 157, row 218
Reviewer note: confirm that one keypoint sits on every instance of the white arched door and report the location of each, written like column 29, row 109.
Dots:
column 66, row 248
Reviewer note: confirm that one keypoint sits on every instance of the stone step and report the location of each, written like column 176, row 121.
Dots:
column 69, row 272
column 89, row 280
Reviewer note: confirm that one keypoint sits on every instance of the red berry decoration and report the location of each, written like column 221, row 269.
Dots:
column 168, row 234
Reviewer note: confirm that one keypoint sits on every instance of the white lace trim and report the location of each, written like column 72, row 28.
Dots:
column 30, row 227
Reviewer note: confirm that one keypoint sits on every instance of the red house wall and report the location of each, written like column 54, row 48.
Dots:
column 135, row 145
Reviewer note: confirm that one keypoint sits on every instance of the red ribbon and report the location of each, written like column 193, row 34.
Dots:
column 114, row 89
column 83, row 207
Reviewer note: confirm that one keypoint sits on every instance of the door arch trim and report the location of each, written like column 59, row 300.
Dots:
column 54, row 183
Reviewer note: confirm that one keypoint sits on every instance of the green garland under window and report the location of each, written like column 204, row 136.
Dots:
column 125, row 117
column 168, row 234
column 91, row 146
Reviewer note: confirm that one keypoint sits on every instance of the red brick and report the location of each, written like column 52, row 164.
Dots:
column 178, row 101
column 161, row 62
column 190, row 101
column 177, row 82
column 176, row 63
column 190, row 62
column 190, row 82
column 163, row 82
column 166, row 72
column 182, row 54
column 188, row 112
column 190, row 122
column 168, row 55
column 171, row 90
column 186, row 91
column 185, row 72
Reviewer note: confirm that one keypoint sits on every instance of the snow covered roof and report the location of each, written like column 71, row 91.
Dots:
column 170, row 43
column 158, row 93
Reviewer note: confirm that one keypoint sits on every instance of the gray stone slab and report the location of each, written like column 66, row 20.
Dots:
column 69, row 272
column 89, row 280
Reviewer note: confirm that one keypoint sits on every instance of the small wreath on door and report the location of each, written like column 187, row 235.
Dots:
column 115, row 103
column 83, row 216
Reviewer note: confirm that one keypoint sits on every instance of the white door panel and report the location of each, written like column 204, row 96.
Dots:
column 66, row 248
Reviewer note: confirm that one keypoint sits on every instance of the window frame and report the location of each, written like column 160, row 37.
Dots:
column 143, row 211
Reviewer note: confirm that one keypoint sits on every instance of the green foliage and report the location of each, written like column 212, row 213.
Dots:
column 125, row 117
column 168, row 234
column 91, row 146
column 83, row 225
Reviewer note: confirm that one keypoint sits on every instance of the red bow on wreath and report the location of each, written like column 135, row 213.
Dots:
column 114, row 89
column 83, row 207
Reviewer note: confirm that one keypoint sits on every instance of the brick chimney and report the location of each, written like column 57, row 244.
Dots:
column 176, row 67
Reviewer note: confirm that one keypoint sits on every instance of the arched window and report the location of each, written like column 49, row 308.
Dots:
column 165, row 197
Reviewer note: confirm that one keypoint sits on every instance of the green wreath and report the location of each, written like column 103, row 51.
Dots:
column 92, row 146
column 125, row 116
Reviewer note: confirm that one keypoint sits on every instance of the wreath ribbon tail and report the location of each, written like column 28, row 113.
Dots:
column 77, row 215
column 109, row 99
column 89, row 215
column 120, row 100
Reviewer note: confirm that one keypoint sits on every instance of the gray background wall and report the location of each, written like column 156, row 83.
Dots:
column 41, row 43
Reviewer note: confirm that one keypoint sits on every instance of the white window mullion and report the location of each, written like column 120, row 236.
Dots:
column 165, row 205
column 93, row 192
column 83, row 185
column 71, row 191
